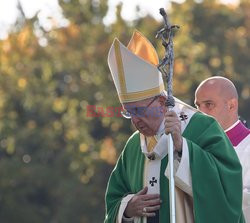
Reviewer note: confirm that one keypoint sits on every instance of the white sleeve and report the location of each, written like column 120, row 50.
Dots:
column 246, row 204
column 182, row 171
column 120, row 218
column 243, row 152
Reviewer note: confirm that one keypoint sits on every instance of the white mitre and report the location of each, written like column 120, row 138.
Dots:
column 134, row 69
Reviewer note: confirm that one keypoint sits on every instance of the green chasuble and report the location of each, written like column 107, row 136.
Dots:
column 215, row 172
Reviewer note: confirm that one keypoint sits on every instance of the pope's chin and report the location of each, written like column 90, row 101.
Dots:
column 146, row 131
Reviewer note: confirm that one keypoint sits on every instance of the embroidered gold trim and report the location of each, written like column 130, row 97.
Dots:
column 119, row 63
column 136, row 96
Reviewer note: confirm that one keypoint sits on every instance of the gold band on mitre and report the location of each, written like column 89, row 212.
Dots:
column 137, row 96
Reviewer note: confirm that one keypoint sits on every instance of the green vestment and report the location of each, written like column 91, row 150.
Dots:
column 215, row 172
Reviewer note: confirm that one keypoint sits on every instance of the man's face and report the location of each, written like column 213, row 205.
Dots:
column 146, row 119
column 209, row 100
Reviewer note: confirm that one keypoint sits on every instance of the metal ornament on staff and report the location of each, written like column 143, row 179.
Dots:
column 166, row 68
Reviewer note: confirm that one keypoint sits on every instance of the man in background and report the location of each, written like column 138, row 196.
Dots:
column 217, row 96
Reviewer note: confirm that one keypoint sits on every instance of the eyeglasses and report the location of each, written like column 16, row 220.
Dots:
column 136, row 111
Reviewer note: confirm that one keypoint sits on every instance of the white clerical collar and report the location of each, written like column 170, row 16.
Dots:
column 232, row 126
column 159, row 151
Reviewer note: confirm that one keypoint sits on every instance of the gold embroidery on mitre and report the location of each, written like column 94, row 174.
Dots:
column 120, row 68
column 140, row 95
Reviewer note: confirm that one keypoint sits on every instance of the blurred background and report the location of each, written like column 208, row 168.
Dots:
column 55, row 159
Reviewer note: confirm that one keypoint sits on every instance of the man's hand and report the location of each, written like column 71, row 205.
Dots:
column 143, row 204
column 173, row 126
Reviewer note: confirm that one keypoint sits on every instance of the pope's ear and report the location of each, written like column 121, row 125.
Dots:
column 162, row 100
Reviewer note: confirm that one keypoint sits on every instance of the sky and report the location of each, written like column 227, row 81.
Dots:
column 49, row 12
column 146, row 7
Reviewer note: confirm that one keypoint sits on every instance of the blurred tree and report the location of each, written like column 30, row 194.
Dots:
column 54, row 158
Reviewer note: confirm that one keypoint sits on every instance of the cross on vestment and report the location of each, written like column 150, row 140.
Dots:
column 153, row 181
column 183, row 116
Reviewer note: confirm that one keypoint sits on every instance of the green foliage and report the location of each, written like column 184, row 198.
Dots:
column 54, row 160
